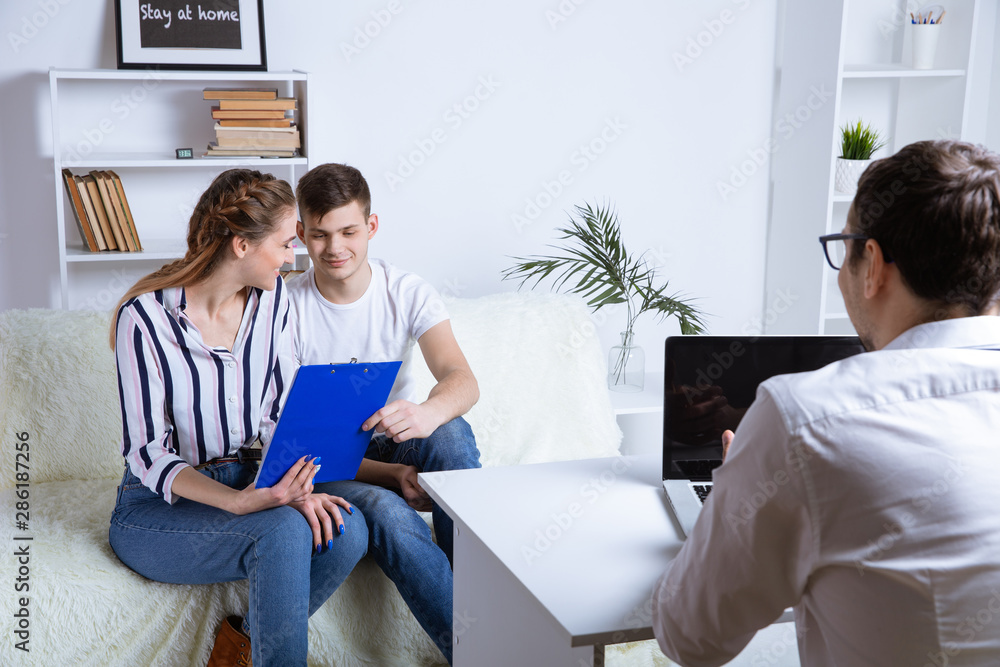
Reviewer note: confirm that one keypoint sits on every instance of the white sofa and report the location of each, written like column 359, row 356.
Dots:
column 543, row 398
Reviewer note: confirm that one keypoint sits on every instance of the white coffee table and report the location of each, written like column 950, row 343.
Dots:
column 553, row 561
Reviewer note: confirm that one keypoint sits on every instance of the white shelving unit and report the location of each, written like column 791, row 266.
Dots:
column 131, row 122
column 845, row 60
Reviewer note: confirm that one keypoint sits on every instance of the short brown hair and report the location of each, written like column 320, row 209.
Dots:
column 934, row 208
column 330, row 186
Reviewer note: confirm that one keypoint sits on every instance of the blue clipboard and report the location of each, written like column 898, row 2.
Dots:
column 322, row 416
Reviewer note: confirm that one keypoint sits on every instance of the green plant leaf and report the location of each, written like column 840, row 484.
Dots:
column 594, row 255
column 859, row 142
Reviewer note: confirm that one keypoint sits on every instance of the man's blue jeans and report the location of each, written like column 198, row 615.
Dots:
column 400, row 541
column 192, row 543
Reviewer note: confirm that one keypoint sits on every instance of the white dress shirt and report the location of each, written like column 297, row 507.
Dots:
column 866, row 495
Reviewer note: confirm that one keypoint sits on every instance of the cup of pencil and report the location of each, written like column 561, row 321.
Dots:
column 926, row 26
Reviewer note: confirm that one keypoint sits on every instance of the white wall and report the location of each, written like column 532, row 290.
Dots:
column 609, row 67
column 993, row 123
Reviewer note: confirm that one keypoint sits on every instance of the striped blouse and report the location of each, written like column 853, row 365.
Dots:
column 184, row 403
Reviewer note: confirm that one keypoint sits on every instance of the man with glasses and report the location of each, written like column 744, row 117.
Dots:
column 865, row 494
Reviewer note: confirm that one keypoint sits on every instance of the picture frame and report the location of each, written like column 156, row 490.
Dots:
column 191, row 35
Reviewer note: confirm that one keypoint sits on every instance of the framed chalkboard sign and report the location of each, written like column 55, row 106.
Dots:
column 191, row 35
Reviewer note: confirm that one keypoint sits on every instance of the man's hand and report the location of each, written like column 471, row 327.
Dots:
column 727, row 439
column 414, row 496
column 403, row 420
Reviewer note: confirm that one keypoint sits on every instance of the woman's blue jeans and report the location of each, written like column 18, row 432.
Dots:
column 192, row 543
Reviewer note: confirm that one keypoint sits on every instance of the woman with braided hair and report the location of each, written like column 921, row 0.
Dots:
column 204, row 355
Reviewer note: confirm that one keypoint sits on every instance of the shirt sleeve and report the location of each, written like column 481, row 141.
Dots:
column 146, row 431
column 750, row 553
column 284, row 365
column 427, row 308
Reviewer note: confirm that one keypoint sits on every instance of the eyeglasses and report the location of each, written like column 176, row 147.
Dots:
column 835, row 247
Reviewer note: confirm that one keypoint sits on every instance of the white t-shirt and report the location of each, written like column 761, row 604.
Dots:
column 397, row 309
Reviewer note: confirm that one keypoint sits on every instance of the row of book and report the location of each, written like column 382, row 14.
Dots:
column 253, row 122
column 102, row 212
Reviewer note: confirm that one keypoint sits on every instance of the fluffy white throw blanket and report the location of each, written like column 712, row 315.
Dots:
column 541, row 373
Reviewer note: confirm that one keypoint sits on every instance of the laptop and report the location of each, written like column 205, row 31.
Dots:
column 709, row 382
column 322, row 416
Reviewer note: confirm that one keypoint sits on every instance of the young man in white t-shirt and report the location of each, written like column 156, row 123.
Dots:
column 349, row 306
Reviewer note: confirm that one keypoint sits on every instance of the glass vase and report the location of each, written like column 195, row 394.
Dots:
column 626, row 365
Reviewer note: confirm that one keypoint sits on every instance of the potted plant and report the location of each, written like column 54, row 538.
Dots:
column 857, row 144
column 605, row 273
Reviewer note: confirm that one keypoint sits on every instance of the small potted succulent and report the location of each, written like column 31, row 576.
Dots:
column 857, row 144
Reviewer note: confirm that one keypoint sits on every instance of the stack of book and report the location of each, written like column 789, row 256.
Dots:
column 252, row 122
column 101, row 211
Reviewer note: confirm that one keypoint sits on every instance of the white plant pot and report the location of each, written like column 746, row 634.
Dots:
column 847, row 175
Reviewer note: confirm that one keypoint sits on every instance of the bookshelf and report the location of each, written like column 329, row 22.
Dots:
column 131, row 122
column 857, row 54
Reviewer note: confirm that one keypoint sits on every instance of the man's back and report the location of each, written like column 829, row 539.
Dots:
column 868, row 499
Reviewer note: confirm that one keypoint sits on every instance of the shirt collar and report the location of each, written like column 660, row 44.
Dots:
column 982, row 331
column 173, row 300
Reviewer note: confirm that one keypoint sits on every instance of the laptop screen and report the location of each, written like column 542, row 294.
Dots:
column 710, row 381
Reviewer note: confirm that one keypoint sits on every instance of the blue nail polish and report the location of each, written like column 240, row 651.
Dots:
column 319, row 547
column 341, row 529
column 350, row 510
column 329, row 545
column 316, row 460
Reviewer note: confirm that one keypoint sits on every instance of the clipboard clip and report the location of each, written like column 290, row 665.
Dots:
column 353, row 360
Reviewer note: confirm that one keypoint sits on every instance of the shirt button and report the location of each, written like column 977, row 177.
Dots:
column 232, row 399
column 231, row 364
column 234, row 430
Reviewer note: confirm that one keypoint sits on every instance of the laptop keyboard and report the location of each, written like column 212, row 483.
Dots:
column 702, row 491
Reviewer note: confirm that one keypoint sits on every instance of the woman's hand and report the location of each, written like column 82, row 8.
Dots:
column 322, row 512
column 296, row 485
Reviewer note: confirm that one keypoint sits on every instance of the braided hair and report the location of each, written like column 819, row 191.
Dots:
column 239, row 203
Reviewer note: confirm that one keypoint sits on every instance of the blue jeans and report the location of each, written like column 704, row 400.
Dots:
column 192, row 543
column 400, row 541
